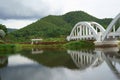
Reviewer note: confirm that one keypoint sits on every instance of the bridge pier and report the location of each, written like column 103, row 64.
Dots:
column 107, row 43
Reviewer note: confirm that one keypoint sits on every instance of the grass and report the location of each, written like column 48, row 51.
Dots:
column 1, row 41
column 54, row 40
column 29, row 46
column 47, row 43
column 68, row 45
column 7, row 49
column 7, row 46
column 80, row 45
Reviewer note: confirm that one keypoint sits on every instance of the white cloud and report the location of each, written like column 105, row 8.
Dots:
column 35, row 9
column 98, row 8
column 17, row 24
column 23, row 9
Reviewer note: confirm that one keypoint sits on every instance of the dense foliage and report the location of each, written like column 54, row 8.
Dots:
column 3, row 27
column 54, row 26
column 10, row 30
column 3, row 31
column 80, row 45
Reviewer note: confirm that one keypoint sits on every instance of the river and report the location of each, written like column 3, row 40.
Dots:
column 60, row 64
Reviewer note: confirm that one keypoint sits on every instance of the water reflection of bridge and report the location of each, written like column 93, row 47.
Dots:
column 84, row 59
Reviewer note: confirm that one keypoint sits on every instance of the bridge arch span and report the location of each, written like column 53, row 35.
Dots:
column 98, row 26
column 112, row 28
column 86, row 30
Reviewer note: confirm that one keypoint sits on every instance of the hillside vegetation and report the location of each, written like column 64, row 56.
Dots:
column 11, row 30
column 54, row 26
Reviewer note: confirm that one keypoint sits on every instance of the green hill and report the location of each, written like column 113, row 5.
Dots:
column 11, row 30
column 54, row 26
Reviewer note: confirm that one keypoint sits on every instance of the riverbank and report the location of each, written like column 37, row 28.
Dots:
column 73, row 45
column 62, row 45
column 6, row 46
column 80, row 45
column 7, row 49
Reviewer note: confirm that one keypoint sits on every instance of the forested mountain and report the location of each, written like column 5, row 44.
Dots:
column 54, row 26
column 11, row 30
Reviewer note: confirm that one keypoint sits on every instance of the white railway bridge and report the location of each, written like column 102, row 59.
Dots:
column 93, row 31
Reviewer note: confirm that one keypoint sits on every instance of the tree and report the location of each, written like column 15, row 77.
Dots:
column 3, row 27
column 3, row 31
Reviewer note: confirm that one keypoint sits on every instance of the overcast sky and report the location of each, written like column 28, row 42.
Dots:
column 19, row 13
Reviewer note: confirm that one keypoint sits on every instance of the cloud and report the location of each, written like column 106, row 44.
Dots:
column 17, row 24
column 29, row 9
column 41, row 72
column 19, row 13
column 23, row 9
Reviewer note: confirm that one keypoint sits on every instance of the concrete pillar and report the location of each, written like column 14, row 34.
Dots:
column 86, row 31
column 83, row 30
column 114, row 31
column 80, row 31
column 114, row 28
column 89, row 32
column 77, row 31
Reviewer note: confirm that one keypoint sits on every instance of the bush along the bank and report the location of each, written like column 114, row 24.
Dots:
column 80, row 45
column 7, row 47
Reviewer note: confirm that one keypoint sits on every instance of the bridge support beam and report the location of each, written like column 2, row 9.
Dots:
column 113, row 43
